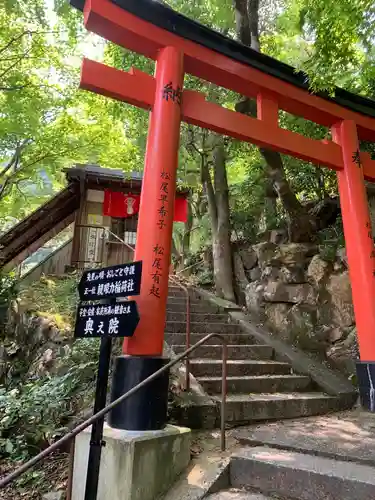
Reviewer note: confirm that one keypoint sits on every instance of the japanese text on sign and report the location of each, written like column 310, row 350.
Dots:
column 118, row 320
column 105, row 289
column 111, row 273
column 116, row 281
column 104, row 310
column 112, row 328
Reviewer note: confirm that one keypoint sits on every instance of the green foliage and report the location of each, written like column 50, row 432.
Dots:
column 55, row 298
column 332, row 42
column 8, row 288
column 34, row 413
column 330, row 240
column 46, row 123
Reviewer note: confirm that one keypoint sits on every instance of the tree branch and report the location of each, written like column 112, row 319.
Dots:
column 242, row 21
column 29, row 32
column 12, row 65
column 15, row 87
column 253, row 14
column 13, row 40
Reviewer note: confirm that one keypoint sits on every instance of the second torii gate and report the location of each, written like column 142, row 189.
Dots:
column 181, row 46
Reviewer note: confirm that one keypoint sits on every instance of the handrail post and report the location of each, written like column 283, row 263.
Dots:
column 223, row 394
column 187, row 361
column 188, row 337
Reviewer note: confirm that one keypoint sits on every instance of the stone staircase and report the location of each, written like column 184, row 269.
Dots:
column 263, row 473
column 327, row 457
column 259, row 386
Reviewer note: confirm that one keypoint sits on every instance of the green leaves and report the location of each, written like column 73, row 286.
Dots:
column 46, row 122
column 336, row 39
column 31, row 415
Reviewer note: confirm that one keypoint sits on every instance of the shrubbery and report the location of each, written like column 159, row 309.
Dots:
column 34, row 413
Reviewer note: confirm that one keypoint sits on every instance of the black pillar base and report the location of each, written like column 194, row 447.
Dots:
column 146, row 410
column 366, row 384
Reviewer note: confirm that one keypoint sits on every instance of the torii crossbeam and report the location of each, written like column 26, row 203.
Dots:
column 180, row 46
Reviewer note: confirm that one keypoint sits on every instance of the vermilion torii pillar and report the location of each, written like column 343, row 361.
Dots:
column 177, row 45
column 155, row 222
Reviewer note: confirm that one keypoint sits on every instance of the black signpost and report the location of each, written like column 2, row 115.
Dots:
column 101, row 316
column 117, row 281
column 118, row 319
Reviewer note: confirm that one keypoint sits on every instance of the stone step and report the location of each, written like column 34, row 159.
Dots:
column 237, row 367
column 255, row 384
column 182, row 300
column 234, row 351
column 174, row 291
column 180, row 327
column 243, row 408
column 349, row 436
column 180, row 339
column 197, row 317
column 301, row 476
column 235, row 494
column 195, row 307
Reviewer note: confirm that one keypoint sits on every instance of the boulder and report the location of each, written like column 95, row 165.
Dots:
column 344, row 354
column 254, row 296
column 55, row 495
column 293, row 274
column 318, row 270
column 255, row 274
column 339, row 267
column 278, row 236
column 338, row 286
column 342, row 257
column 249, row 257
column 266, row 253
column 239, row 271
column 32, row 345
column 276, row 291
column 295, row 253
column 270, row 273
column 277, row 319
column 302, row 319
column 335, row 334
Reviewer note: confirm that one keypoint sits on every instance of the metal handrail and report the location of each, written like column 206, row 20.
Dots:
column 189, row 267
column 120, row 240
column 100, row 414
column 187, row 341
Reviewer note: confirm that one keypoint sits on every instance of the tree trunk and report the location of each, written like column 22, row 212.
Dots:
column 218, row 208
column 187, row 232
column 221, row 246
column 269, row 216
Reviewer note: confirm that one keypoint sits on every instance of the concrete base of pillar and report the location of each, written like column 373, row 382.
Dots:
column 135, row 465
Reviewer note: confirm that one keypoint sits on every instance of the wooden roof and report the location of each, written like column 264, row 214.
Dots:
column 37, row 224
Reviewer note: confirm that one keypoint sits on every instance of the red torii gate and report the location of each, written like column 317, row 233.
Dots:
column 164, row 96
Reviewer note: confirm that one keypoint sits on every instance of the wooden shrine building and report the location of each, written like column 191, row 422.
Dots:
column 101, row 205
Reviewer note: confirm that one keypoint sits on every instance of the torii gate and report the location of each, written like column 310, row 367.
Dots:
column 180, row 46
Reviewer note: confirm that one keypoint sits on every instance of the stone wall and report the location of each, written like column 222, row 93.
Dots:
column 301, row 297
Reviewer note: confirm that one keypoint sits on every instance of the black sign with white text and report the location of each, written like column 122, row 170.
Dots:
column 117, row 281
column 115, row 320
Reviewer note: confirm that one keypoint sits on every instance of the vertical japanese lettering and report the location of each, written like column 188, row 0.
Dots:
column 356, row 157
column 172, row 94
column 157, row 270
